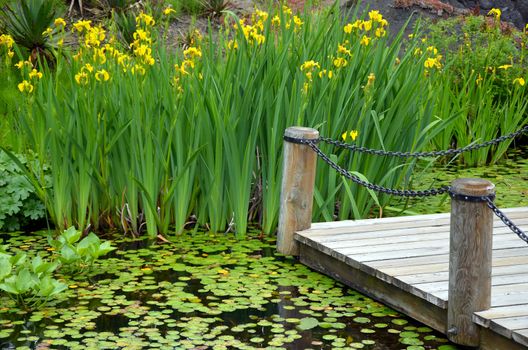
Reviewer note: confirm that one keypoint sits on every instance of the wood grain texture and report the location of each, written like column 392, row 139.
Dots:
column 396, row 298
column 297, row 189
column 521, row 336
column 389, row 253
column 470, row 255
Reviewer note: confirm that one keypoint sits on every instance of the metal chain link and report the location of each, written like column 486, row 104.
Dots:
column 522, row 235
column 409, row 193
column 378, row 188
column 449, row 152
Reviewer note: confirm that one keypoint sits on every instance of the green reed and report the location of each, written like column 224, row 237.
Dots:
column 197, row 136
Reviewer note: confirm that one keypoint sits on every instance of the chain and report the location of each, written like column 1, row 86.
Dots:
column 378, row 188
column 409, row 193
column 522, row 235
column 449, row 152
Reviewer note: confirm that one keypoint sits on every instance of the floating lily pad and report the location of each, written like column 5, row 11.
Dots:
column 307, row 323
column 361, row 320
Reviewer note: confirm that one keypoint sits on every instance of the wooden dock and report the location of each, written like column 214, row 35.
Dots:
column 404, row 263
column 412, row 263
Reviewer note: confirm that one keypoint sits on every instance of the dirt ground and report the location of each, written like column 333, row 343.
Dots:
column 396, row 12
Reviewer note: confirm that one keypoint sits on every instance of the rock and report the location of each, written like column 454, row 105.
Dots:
column 522, row 7
column 486, row 4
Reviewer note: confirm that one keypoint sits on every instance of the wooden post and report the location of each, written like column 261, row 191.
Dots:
column 469, row 259
column 298, row 178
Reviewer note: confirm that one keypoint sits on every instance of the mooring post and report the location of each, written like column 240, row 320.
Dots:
column 469, row 258
column 298, row 179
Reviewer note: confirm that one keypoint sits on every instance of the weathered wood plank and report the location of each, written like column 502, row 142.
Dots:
column 511, row 294
column 521, row 336
column 427, row 268
column 396, row 298
column 443, row 276
column 484, row 318
column 434, row 259
column 375, row 235
column 440, row 286
column 506, row 326
column 390, row 245
column 367, row 232
column 403, row 222
column 513, row 298
column 365, row 257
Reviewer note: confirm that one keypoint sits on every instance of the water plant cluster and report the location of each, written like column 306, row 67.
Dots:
column 205, row 291
column 141, row 137
column 29, row 279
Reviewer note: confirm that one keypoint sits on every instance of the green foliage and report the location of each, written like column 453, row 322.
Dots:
column 199, row 134
column 479, row 46
column 27, row 21
column 19, row 204
column 125, row 22
column 483, row 84
column 194, row 7
column 75, row 254
column 28, row 281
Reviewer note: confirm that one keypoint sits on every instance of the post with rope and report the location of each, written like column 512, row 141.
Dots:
column 469, row 258
column 298, row 179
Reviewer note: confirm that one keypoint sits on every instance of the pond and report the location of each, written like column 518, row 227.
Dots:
column 510, row 177
column 205, row 291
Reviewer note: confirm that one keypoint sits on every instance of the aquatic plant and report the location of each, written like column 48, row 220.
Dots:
column 28, row 281
column 208, row 291
column 76, row 254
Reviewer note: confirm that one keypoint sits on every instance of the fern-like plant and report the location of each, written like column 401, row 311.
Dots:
column 19, row 204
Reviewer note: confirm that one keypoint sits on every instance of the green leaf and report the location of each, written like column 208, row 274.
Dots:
column 19, row 259
column 9, row 285
column 5, row 267
column 71, row 235
column 307, row 323
column 68, row 255
column 24, row 281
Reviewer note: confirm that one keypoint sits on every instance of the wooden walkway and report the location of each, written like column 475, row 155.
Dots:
column 404, row 262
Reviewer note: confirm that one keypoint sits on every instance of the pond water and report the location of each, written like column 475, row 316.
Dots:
column 205, row 292
column 510, row 177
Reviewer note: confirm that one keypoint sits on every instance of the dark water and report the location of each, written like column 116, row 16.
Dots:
column 206, row 292
column 510, row 177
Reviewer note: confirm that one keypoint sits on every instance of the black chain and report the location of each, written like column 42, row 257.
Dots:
column 378, row 188
column 522, row 235
column 409, row 193
column 449, row 152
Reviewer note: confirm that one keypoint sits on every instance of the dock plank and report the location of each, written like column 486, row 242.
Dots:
column 418, row 261
column 412, row 254
column 484, row 318
column 521, row 336
column 506, row 326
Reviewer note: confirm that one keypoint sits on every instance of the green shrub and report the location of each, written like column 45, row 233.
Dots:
column 19, row 205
